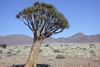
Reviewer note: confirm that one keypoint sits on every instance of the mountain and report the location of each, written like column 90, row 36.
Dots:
column 16, row 39
column 20, row 39
column 77, row 38
column 81, row 38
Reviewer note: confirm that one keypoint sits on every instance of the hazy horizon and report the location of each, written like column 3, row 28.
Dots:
column 51, row 36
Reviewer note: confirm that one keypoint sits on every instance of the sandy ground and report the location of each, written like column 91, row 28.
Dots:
column 55, row 55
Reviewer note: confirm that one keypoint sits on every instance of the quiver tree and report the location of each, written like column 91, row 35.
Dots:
column 43, row 20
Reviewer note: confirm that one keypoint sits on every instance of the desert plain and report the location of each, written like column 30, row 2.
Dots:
column 54, row 55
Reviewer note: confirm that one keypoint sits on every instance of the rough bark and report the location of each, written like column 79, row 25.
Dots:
column 32, row 59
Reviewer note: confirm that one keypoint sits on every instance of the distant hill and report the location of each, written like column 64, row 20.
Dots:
column 20, row 39
column 16, row 39
column 77, row 38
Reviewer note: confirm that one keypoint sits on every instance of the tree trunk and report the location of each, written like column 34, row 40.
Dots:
column 32, row 59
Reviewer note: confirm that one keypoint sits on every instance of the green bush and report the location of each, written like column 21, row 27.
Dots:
column 3, row 46
column 60, row 57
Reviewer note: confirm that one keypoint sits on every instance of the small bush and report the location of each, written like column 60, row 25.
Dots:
column 67, row 45
column 92, row 46
column 3, row 46
column 72, row 48
column 92, row 52
column 47, row 45
column 78, row 47
column 18, row 51
column 57, row 51
column 16, row 47
column 25, row 47
column 60, row 57
column 8, row 52
column 61, row 45
column 84, row 48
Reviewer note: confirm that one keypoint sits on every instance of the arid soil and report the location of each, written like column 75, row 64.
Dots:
column 54, row 55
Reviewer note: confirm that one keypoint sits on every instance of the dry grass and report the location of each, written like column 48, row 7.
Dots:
column 71, row 55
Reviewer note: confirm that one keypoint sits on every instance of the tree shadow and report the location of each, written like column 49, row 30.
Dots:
column 38, row 65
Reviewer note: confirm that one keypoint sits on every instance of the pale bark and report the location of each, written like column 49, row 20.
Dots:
column 32, row 59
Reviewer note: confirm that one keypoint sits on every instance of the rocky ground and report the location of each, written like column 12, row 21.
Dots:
column 54, row 55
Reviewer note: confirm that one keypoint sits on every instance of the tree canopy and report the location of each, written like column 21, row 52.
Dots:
column 43, row 19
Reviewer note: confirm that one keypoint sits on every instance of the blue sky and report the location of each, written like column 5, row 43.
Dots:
column 83, row 16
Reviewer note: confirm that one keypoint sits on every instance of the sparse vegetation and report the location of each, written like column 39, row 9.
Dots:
column 54, row 54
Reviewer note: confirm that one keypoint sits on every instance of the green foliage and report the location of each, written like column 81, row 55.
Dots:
column 44, row 18
column 3, row 46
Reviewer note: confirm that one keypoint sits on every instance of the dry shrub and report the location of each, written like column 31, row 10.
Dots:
column 60, row 57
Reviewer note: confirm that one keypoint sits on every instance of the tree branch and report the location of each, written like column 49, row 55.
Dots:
column 23, row 21
column 58, row 31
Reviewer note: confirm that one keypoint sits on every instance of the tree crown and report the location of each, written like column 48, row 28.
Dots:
column 43, row 19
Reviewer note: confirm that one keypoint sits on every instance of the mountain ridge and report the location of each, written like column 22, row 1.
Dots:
column 21, row 39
